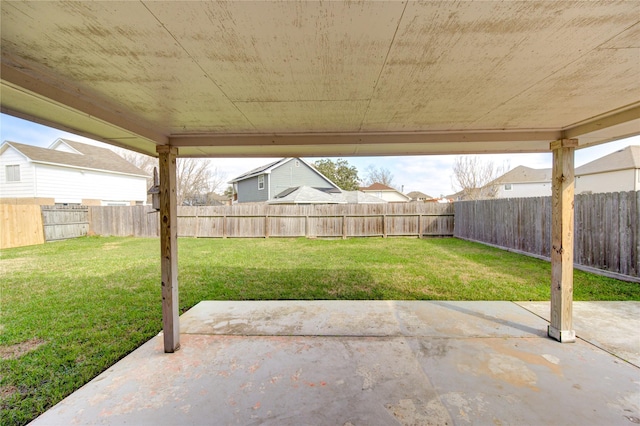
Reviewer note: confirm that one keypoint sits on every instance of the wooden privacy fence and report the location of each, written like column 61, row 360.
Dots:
column 264, row 221
column 20, row 225
column 123, row 221
column 63, row 222
column 606, row 229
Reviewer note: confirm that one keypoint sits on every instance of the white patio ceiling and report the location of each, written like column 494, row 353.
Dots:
column 325, row 78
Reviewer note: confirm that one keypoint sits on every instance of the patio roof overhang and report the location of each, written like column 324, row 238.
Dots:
column 274, row 79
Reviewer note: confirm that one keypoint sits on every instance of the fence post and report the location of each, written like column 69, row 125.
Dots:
column 197, row 226
column 384, row 226
column 344, row 227
column 224, row 226
column 306, row 226
column 419, row 226
column 266, row 225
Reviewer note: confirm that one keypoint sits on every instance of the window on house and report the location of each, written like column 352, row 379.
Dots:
column 261, row 182
column 297, row 163
column 507, row 187
column 13, row 173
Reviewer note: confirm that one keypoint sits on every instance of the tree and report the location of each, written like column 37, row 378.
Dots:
column 229, row 192
column 381, row 175
column 476, row 179
column 195, row 178
column 339, row 172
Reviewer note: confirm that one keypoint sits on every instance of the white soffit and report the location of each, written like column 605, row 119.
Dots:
column 325, row 78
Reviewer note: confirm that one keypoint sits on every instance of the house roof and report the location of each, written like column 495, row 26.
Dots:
column 309, row 195
column 377, row 187
column 358, row 197
column 305, row 195
column 414, row 195
column 259, row 170
column 522, row 174
column 627, row 158
column 89, row 157
column 268, row 168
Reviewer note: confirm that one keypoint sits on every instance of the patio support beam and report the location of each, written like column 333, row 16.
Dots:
column 169, row 247
column 562, row 191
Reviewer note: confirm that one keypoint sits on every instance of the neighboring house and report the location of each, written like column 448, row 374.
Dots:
column 359, row 197
column 308, row 195
column 386, row 193
column 68, row 172
column 472, row 194
column 264, row 183
column 616, row 172
column 522, row 182
column 419, row 196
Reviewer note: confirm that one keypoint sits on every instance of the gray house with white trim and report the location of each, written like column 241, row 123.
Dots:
column 265, row 183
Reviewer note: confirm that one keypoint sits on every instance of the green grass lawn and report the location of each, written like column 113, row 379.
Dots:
column 71, row 309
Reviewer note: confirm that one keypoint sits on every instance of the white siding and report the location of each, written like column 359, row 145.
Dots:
column 22, row 189
column 617, row 181
column 65, row 148
column 390, row 196
column 523, row 190
column 72, row 184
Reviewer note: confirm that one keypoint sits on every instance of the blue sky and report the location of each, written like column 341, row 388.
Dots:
column 430, row 174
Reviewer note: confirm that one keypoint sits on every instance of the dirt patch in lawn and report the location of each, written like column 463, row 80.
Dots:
column 19, row 349
column 111, row 246
column 15, row 264
column 7, row 391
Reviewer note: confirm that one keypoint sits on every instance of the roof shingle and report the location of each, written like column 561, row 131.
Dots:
column 91, row 157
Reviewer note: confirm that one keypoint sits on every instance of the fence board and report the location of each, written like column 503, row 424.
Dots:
column 64, row 222
column 261, row 220
column 20, row 225
column 606, row 231
column 123, row 221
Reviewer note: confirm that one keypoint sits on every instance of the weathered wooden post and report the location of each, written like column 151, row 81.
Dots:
column 169, row 247
column 562, row 213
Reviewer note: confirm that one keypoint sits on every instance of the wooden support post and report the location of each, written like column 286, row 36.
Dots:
column 169, row 247
column 266, row 226
column 420, row 226
column 561, row 324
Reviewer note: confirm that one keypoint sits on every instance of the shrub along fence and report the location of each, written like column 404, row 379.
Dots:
column 264, row 221
column 606, row 229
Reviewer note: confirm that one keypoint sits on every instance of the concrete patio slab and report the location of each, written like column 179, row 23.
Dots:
column 362, row 318
column 612, row 326
column 330, row 363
